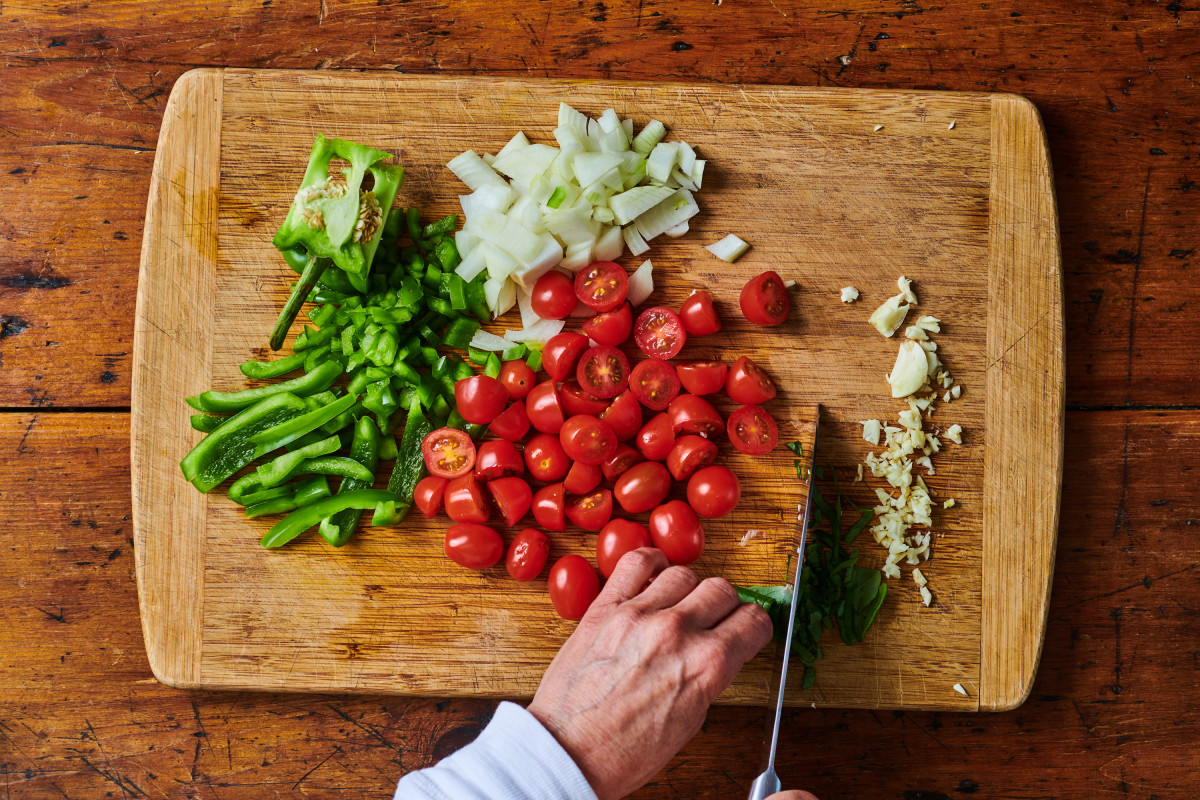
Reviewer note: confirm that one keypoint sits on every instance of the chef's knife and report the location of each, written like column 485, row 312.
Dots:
column 767, row 783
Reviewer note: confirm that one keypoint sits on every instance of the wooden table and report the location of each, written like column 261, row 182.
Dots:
column 1115, row 711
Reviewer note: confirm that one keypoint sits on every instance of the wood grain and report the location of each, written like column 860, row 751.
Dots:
column 1114, row 711
column 426, row 627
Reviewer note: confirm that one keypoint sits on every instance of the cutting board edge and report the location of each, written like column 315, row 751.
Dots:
column 1025, row 388
column 183, row 199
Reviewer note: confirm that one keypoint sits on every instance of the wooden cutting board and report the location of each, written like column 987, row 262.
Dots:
column 832, row 187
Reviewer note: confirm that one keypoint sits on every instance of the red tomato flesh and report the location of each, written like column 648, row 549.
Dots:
column 692, row 414
column 654, row 383
column 497, row 458
column 748, row 383
column 689, row 454
column 576, row 401
column 623, row 415
column 428, row 495
column 587, row 440
column 561, row 353
column 752, row 430
column 702, row 377
column 448, row 452
column 512, row 497
column 623, row 459
column 765, row 301
column 592, row 510
column 603, row 371
column 611, row 327
column 602, row 285
column 466, row 501
column 659, row 332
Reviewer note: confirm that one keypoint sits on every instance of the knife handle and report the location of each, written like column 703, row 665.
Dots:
column 765, row 785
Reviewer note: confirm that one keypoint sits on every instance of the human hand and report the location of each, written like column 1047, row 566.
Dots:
column 793, row 794
column 633, row 683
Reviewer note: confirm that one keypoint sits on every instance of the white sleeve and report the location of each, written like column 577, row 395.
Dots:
column 515, row 758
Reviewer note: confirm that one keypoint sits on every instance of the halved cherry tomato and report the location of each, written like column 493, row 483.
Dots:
column 702, row 377
column 642, row 487
column 496, row 459
column 545, row 458
column 512, row 423
column 623, row 415
column 765, row 300
column 527, row 554
column 603, row 371
column 689, row 454
column 602, row 285
column 573, row 585
column 611, row 327
column 561, row 353
column 654, row 383
column 549, row 507
column 748, row 383
column 676, row 530
column 518, row 378
column 480, row 398
column 582, row 478
column 617, row 538
column 553, row 296
column 466, row 501
column 587, row 440
column 428, row 494
column 544, row 408
column 592, row 510
column 714, row 491
column 692, row 414
column 473, row 546
column 512, row 497
column 448, row 452
column 576, row 401
column 656, row 438
column 623, row 459
column 752, row 430
column 698, row 315
column 659, row 333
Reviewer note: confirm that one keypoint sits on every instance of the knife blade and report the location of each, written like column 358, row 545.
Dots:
column 767, row 783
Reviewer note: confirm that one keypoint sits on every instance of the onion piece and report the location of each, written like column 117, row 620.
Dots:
column 483, row 340
column 730, row 249
column 542, row 331
column 641, row 284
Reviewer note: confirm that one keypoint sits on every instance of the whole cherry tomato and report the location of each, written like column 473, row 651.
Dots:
column 561, row 353
column 748, row 383
column 603, row 371
column 496, row 459
column 545, row 458
column 517, row 378
column 698, row 315
column 654, row 383
column 656, row 438
column 602, row 285
column 448, row 452
column 473, row 546
column 714, row 491
column 659, row 333
column 702, row 377
column 543, row 407
column 592, row 510
column 623, row 415
column 752, row 430
column 692, row 414
column 611, row 327
column 765, row 300
column 512, row 423
column 587, row 439
column 676, row 530
column 428, row 494
column 527, row 554
column 465, row 500
column 573, row 585
column 553, row 296
column 549, row 507
column 479, row 398
column 642, row 487
column 688, row 454
column 617, row 538
column 512, row 497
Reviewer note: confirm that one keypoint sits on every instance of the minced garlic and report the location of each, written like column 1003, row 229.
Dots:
column 888, row 318
column 849, row 294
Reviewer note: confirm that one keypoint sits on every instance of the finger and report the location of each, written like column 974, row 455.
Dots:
column 631, row 574
column 668, row 588
column 744, row 632
column 793, row 794
column 712, row 601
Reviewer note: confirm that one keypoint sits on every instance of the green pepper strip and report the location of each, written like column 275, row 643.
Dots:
column 302, row 519
column 338, row 528
column 261, row 370
column 390, row 513
column 336, row 465
column 410, row 462
column 231, row 447
column 283, row 434
column 305, row 493
column 206, row 422
column 277, row 470
column 318, row 380
column 300, row 289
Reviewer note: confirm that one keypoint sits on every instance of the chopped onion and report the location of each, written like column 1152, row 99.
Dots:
column 629, row 205
column 641, row 284
column 633, row 240
column 676, row 208
column 542, row 331
column 482, row 340
column 730, row 249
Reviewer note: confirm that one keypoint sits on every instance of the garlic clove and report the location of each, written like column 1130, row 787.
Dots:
column 911, row 369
